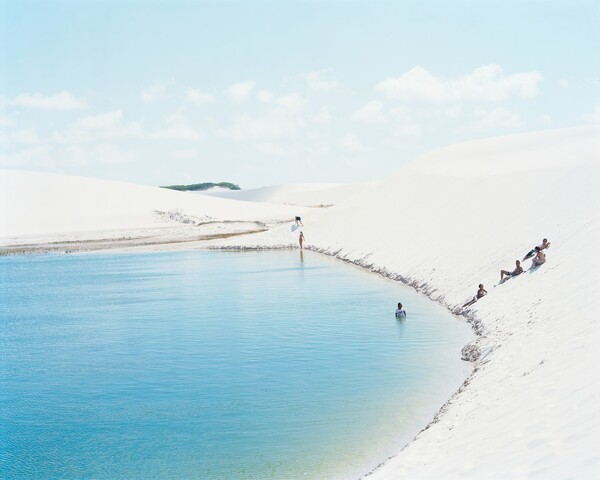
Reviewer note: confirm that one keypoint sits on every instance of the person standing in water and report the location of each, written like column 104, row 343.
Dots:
column 400, row 311
column 301, row 239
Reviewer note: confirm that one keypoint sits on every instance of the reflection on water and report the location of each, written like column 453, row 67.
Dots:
column 213, row 365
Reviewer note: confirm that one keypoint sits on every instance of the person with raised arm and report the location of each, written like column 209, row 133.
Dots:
column 544, row 245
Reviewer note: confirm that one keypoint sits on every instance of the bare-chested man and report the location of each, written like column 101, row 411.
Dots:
column 514, row 273
column 540, row 257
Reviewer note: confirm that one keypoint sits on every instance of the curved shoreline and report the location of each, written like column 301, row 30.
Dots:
column 469, row 352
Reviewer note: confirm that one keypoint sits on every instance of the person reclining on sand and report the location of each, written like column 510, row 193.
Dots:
column 400, row 311
column 482, row 292
column 514, row 273
column 540, row 257
column 298, row 221
column 545, row 244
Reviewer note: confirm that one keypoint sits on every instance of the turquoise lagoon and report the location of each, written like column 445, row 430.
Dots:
column 214, row 365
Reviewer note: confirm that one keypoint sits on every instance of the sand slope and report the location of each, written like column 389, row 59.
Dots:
column 43, row 203
column 453, row 219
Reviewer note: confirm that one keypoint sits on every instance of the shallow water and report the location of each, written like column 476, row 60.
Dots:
column 213, row 365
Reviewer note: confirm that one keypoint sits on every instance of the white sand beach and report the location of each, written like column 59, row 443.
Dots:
column 444, row 223
column 50, row 209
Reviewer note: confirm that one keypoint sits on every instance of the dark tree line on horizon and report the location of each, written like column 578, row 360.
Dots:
column 202, row 186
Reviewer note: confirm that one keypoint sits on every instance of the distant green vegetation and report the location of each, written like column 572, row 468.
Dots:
column 203, row 186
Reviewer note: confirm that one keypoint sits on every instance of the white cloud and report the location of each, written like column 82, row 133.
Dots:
column 404, row 124
column 100, row 121
column 293, row 103
column 56, row 157
column 416, row 84
column 177, row 129
column 592, row 117
column 319, row 80
column 74, row 155
column 372, row 112
column 453, row 111
column 153, row 93
column 407, row 130
column 246, row 127
column 39, row 156
column 270, row 148
column 27, row 136
column 184, row 154
column 322, row 116
column 59, row 101
column 109, row 153
column 98, row 127
column 240, row 91
column 351, row 143
column 198, row 97
column 564, row 83
column 318, row 147
column 103, row 153
column 6, row 121
column 486, row 83
column 266, row 96
column 497, row 118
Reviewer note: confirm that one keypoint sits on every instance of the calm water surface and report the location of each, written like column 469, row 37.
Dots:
column 212, row 365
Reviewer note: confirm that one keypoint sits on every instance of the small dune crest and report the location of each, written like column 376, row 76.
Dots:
column 550, row 149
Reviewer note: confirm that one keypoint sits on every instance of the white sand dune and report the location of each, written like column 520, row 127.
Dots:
column 43, row 203
column 307, row 194
column 445, row 223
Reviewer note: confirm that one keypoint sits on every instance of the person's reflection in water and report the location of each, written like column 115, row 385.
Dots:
column 301, row 256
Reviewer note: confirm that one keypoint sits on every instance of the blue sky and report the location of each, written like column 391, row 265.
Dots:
column 259, row 93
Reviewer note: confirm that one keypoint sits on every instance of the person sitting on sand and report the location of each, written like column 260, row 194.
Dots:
column 545, row 244
column 540, row 257
column 400, row 311
column 301, row 239
column 299, row 222
column 482, row 292
column 514, row 273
